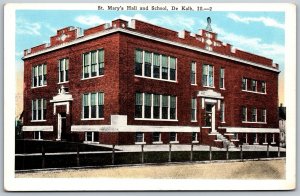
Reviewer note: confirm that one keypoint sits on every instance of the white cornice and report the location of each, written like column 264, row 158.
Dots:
column 114, row 30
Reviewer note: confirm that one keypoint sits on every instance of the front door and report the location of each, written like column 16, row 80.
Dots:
column 210, row 116
column 61, row 126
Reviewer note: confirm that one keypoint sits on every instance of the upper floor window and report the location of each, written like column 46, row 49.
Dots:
column 63, row 70
column 222, row 78
column 193, row 73
column 93, row 63
column 208, row 76
column 222, row 112
column 264, row 115
column 263, row 87
column 244, row 114
column 155, row 65
column 193, row 109
column 38, row 76
column 153, row 106
column 39, row 109
column 244, row 83
column 253, row 85
column 93, row 105
column 254, row 115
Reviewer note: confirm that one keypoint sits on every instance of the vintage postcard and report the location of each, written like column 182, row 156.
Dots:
column 192, row 96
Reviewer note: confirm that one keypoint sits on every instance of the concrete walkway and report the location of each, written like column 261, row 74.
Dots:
column 184, row 147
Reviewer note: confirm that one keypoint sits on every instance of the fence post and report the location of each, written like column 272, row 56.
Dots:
column 210, row 153
column 268, row 151
column 43, row 156
column 77, row 156
column 142, row 158
column 113, row 155
column 192, row 148
column 278, row 150
column 241, row 152
column 227, row 153
column 170, row 147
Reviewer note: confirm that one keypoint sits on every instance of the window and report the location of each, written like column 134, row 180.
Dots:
column 164, row 61
column 63, row 69
column 39, row 109
column 156, row 106
column 139, row 137
column 264, row 115
column 93, row 63
column 147, row 105
column 254, row 115
column 138, row 62
column 194, row 136
column 193, row 73
column 173, row 136
column 253, row 85
column 208, row 114
column 222, row 78
column 244, row 84
column 147, row 63
column 155, row 65
column 244, row 114
column 172, row 107
column 263, row 87
column 222, row 112
column 153, row 106
column 93, row 105
column 207, row 76
column 138, row 105
column 91, row 137
column 194, row 109
column 156, row 137
column 172, row 68
column 39, row 75
column 165, row 106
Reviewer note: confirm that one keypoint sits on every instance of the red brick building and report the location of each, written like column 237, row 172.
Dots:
column 131, row 83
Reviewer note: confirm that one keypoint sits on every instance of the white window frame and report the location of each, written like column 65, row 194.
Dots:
column 176, row 138
column 196, row 137
column 60, row 81
column 246, row 115
column 195, row 73
column 90, row 63
column 264, row 115
column 246, row 84
column 222, row 111
column 208, row 76
column 160, row 70
column 265, row 92
column 35, row 118
column 160, row 108
column 90, row 106
column 254, row 109
column 143, row 139
column 159, row 139
column 93, row 137
column 194, row 110
column 222, row 79
column 37, row 75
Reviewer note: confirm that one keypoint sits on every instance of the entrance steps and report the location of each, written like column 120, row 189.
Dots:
column 225, row 141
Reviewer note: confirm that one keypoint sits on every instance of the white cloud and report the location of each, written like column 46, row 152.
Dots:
column 90, row 20
column 269, row 22
column 51, row 28
column 25, row 27
column 136, row 16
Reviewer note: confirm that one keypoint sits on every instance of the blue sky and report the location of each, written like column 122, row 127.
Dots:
column 256, row 32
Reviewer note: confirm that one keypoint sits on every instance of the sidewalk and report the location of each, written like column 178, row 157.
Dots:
column 186, row 147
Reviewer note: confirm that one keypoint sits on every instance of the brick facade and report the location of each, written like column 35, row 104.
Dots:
column 120, row 84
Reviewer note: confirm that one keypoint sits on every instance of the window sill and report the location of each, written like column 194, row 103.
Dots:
column 140, row 143
column 159, row 79
column 195, row 142
column 194, row 121
column 273, row 143
column 222, row 89
column 90, row 142
column 153, row 119
column 223, row 122
column 63, row 82
column 174, row 142
column 92, row 119
column 208, row 87
column 234, row 140
column 157, row 142
column 255, row 143
column 256, row 92
column 38, row 120
column 254, row 122
column 194, row 84
column 206, row 127
column 33, row 87
column 92, row 77
column 265, row 143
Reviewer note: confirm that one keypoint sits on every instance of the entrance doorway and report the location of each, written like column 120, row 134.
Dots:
column 61, row 126
column 210, row 116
